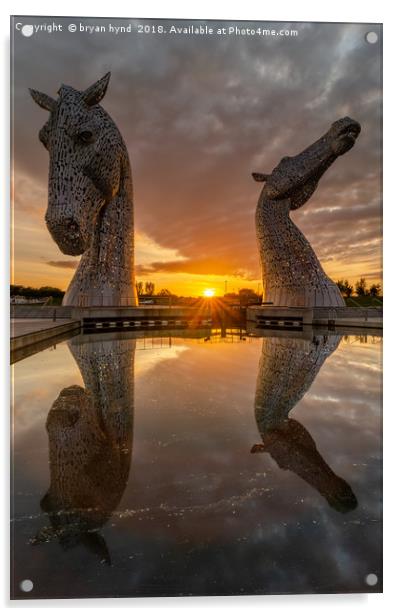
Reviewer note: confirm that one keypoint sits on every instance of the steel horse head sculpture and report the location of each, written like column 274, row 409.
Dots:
column 90, row 195
column 291, row 272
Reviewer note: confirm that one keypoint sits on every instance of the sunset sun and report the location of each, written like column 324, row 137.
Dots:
column 209, row 292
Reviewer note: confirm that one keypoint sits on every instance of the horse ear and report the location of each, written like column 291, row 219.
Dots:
column 260, row 177
column 43, row 100
column 95, row 93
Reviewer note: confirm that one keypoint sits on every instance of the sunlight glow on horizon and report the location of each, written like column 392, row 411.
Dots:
column 209, row 292
column 37, row 261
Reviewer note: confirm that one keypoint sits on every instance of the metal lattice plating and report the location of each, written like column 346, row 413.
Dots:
column 291, row 272
column 90, row 195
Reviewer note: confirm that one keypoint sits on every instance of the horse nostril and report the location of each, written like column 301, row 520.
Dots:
column 68, row 226
column 72, row 225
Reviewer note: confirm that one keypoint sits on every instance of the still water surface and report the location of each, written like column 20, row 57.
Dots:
column 198, row 464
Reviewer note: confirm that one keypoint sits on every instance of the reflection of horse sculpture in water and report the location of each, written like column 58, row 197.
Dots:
column 90, row 439
column 288, row 367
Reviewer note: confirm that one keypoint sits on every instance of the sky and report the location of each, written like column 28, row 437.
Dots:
column 199, row 114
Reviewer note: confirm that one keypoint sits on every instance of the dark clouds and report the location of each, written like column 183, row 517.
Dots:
column 66, row 264
column 199, row 114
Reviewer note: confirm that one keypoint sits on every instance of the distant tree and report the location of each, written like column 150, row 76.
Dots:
column 29, row 292
column 164, row 292
column 361, row 288
column 348, row 288
column 16, row 289
column 375, row 290
column 345, row 288
column 139, row 288
column 50, row 292
column 149, row 288
column 230, row 296
column 34, row 293
column 248, row 296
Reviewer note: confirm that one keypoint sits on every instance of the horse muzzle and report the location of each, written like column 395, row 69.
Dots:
column 67, row 234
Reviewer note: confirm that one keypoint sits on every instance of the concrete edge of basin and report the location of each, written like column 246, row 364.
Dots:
column 34, row 337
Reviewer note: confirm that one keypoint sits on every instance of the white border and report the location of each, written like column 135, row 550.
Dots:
column 289, row 10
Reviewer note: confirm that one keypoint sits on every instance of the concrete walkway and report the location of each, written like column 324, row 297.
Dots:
column 30, row 332
column 21, row 327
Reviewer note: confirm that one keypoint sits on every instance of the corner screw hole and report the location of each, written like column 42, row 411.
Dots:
column 26, row 585
column 371, row 579
column 372, row 37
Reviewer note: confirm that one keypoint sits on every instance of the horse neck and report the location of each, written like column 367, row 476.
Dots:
column 113, row 241
column 107, row 369
column 292, row 274
column 287, row 369
column 105, row 275
column 273, row 219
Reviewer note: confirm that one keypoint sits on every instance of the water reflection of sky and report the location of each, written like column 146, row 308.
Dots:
column 200, row 514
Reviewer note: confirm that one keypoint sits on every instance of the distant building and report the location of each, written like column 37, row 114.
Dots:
column 21, row 299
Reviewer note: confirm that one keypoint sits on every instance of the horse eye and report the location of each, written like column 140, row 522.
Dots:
column 85, row 137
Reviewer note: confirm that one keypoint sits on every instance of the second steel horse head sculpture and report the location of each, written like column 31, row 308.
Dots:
column 291, row 272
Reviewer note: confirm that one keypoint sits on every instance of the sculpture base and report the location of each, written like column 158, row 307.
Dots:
column 100, row 300
column 326, row 295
